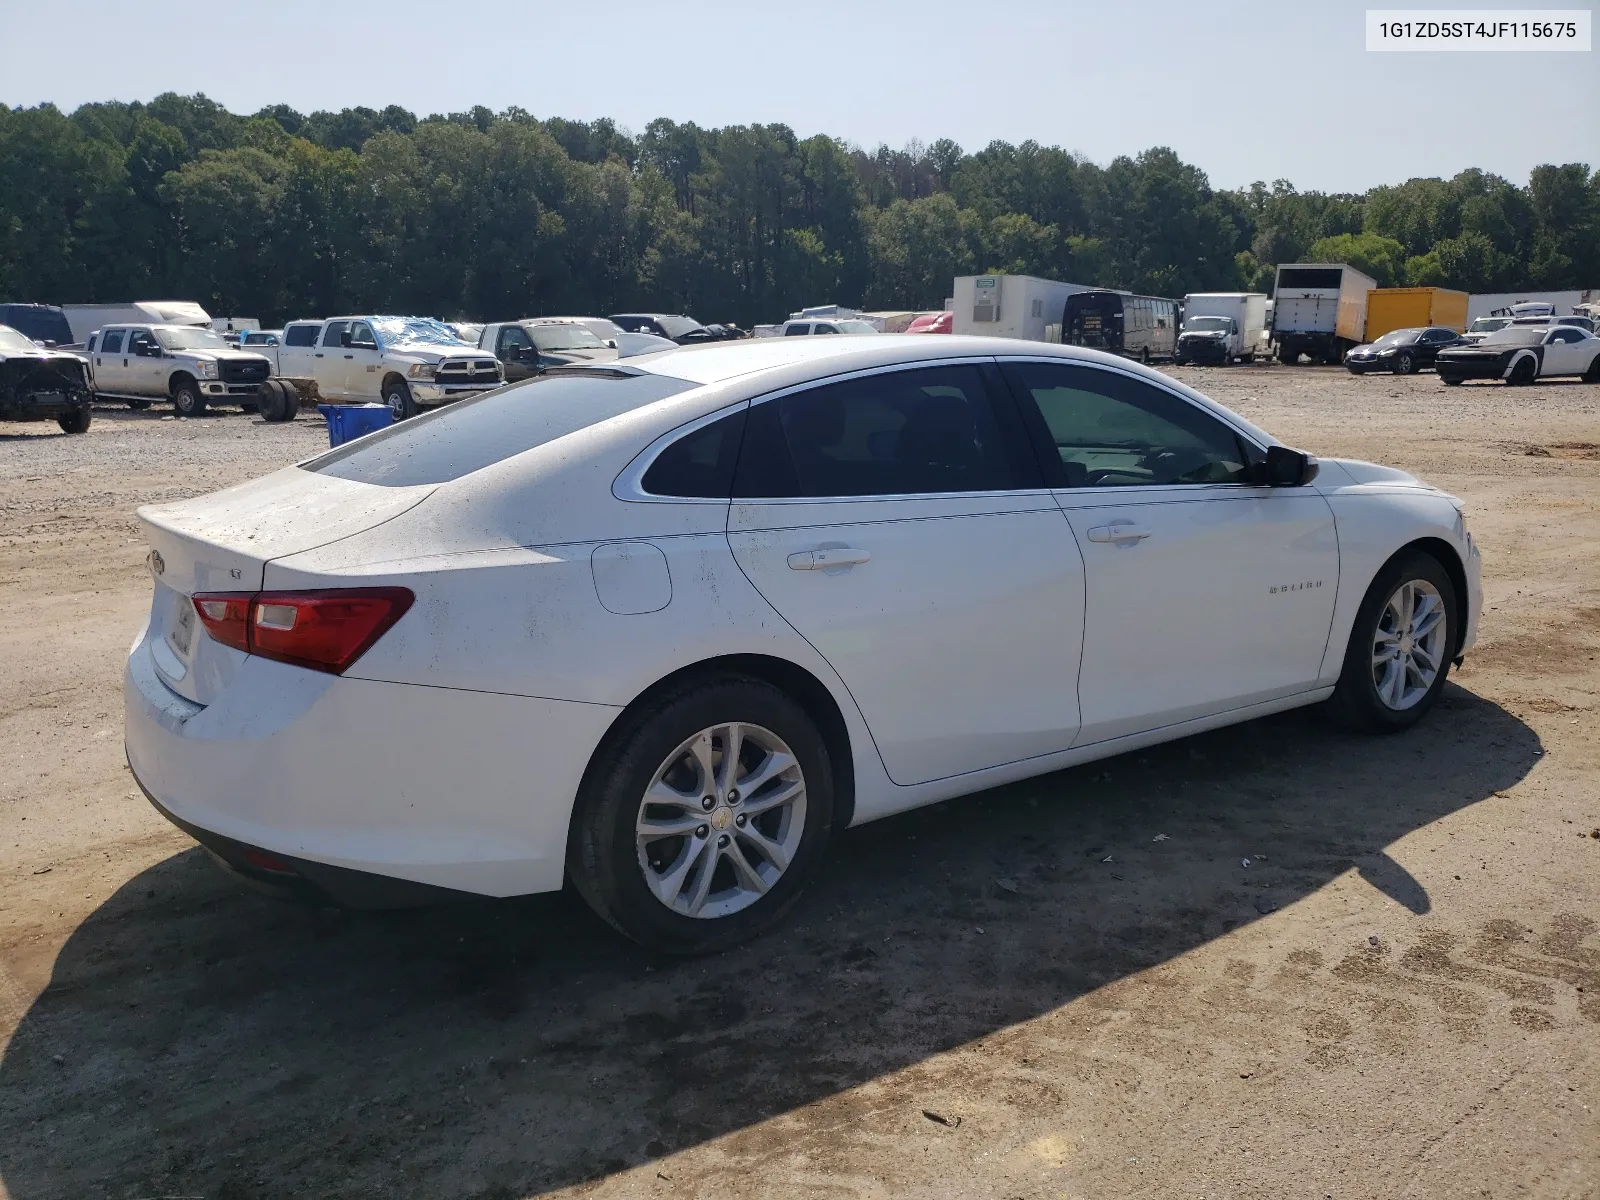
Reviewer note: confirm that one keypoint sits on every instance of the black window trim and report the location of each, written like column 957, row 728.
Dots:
column 1045, row 447
column 629, row 485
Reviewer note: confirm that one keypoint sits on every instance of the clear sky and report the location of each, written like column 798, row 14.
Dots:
column 1246, row 90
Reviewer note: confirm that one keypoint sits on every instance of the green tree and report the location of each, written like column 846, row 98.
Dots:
column 1382, row 258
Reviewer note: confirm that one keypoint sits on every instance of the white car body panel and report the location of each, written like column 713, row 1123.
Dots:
column 551, row 592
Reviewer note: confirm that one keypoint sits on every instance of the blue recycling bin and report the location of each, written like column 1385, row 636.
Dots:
column 347, row 421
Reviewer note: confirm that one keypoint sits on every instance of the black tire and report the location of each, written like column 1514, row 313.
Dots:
column 1250, row 358
column 1144, row 356
column 398, row 397
column 1592, row 375
column 1355, row 370
column 1522, row 374
column 187, row 399
column 1404, row 364
column 279, row 401
column 1355, row 702
column 1288, row 358
column 138, row 405
column 76, row 421
column 603, row 858
column 1450, row 381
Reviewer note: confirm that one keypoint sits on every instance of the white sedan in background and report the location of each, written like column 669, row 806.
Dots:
column 660, row 628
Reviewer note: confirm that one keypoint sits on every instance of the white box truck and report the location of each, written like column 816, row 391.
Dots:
column 1319, row 309
column 86, row 318
column 1221, row 327
column 1010, row 306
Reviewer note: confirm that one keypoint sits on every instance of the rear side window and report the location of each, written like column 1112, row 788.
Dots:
column 699, row 465
column 300, row 335
column 113, row 342
column 89, row 345
column 919, row 431
column 472, row 434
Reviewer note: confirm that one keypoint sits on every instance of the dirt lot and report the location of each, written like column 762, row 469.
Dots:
column 1029, row 993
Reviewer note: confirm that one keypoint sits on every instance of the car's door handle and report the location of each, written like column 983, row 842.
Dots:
column 319, row 353
column 823, row 560
column 1119, row 533
column 349, row 355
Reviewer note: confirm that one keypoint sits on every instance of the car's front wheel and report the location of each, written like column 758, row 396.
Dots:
column 76, row 421
column 187, row 399
column 1404, row 364
column 1401, row 646
column 398, row 397
column 702, row 814
column 1523, row 373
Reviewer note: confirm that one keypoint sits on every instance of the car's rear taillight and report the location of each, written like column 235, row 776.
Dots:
column 323, row 630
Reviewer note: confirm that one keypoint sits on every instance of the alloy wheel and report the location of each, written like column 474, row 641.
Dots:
column 721, row 820
column 1408, row 645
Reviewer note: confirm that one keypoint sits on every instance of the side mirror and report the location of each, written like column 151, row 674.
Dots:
column 344, row 340
column 1288, row 468
column 611, row 343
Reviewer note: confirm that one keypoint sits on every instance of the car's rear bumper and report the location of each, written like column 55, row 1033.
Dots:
column 467, row 791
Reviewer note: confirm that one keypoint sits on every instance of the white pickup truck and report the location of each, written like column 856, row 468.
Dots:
column 192, row 367
column 408, row 363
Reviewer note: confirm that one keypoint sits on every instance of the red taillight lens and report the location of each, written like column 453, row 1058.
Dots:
column 226, row 616
column 325, row 631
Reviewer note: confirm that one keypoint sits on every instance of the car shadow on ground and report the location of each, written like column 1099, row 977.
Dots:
column 196, row 1039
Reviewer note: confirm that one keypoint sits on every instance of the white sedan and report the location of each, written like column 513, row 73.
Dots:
column 660, row 626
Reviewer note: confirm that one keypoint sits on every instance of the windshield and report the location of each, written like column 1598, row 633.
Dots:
column 1516, row 335
column 189, row 337
column 676, row 327
column 1398, row 337
column 398, row 332
column 1208, row 324
column 564, row 337
column 1489, row 324
column 12, row 342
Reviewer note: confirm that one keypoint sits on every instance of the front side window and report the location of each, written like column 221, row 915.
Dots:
column 1110, row 430
column 140, row 342
column 920, row 431
column 332, row 332
column 826, row 329
column 513, row 339
column 361, row 337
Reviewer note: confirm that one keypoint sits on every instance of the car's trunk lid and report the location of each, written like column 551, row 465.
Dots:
column 222, row 543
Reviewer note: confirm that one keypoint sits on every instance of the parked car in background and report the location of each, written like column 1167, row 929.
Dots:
column 466, row 331
column 42, row 384
column 726, row 332
column 42, row 323
column 1401, row 351
column 260, row 337
column 527, row 347
column 685, row 331
column 1580, row 321
column 627, row 343
column 190, row 365
column 939, row 322
column 850, row 325
column 1221, row 327
column 1519, row 354
column 656, row 633
column 1141, row 327
column 1483, row 327
column 408, row 363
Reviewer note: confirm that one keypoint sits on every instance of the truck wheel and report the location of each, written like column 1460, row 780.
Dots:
column 1288, row 357
column 138, row 405
column 76, row 421
column 1144, row 356
column 1333, row 355
column 187, row 400
column 1404, row 364
column 398, row 397
column 1251, row 357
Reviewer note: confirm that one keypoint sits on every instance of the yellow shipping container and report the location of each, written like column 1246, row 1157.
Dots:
column 1414, row 308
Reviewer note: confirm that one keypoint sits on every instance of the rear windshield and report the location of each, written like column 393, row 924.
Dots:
column 472, row 434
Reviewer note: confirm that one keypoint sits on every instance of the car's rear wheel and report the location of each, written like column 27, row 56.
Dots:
column 702, row 814
column 1400, row 647
column 187, row 399
column 1451, row 380
column 1404, row 364
column 76, row 421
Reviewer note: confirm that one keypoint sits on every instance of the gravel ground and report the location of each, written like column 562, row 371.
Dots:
column 1028, row 993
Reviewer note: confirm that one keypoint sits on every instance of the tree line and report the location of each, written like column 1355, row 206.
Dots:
column 491, row 215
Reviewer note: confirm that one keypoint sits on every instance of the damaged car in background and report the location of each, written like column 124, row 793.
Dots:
column 37, row 384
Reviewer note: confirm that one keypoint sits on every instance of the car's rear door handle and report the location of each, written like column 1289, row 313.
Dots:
column 823, row 560
column 1119, row 533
